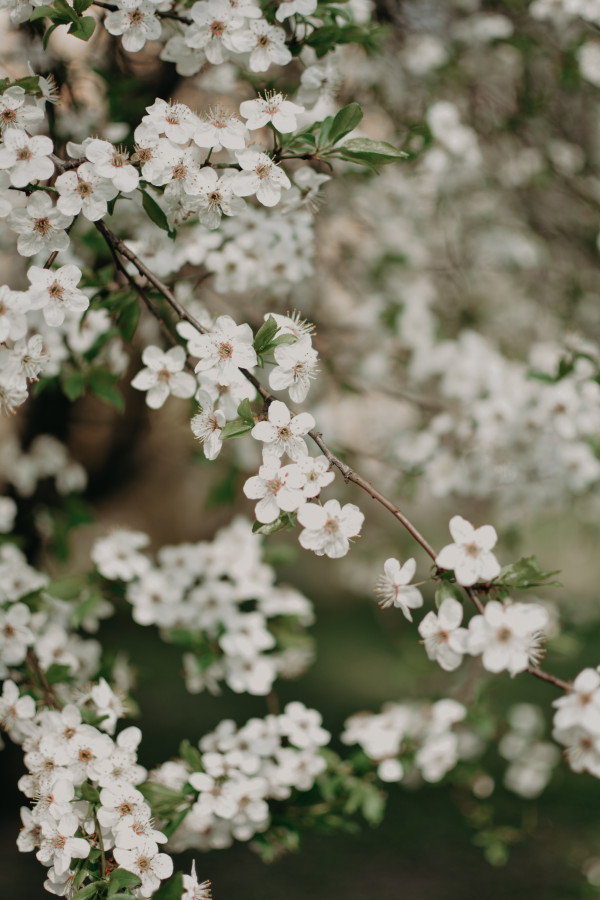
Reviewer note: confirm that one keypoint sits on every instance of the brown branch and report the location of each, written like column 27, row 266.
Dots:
column 347, row 471
column 49, row 695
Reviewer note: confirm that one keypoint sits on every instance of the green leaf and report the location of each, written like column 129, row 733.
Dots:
column 525, row 573
column 44, row 12
column 80, row 6
column 445, row 590
column 244, row 411
column 265, row 334
column 325, row 132
column 83, row 28
column 191, row 756
column 90, row 890
column 376, row 153
column 63, row 7
column 102, row 383
column 344, row 122
column 89, row 793
column 235, row 429
column 163, row 800
column 73, row 385
column 66, row 588
column 119, row 879
column 155, row 213
column 284, row 520
column 30, row 83
column 174, row 822
column 85, row 608
column 56, row 674
column 46, row 37
column 171, row 889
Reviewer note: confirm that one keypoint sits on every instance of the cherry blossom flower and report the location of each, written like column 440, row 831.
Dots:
column 58, row 844
column 136, row 25
column 509, row 637
column 192, row 889
column 469, row 556
column 217, row 30
column 40, row 226
column 163, row 375
column 116, row 556
column 394, row 589
column 302, row 726
column 442, row 635
column 15, row 112
column 268, row 46
column 272, row 109
column 175, row 120
column 282, row 433
column 26, row 158
column 147, row 863
column 207, row 425
column 296, row 367
column 276, row 488
column 316, row 473
column 328, row 528
column 220, row 128
column 55, row 291
column 225, row 349
column 112, row 163
column 289, row 8
column 216, row 197
column 260, row 176
column 580, row 707
column 84, row 191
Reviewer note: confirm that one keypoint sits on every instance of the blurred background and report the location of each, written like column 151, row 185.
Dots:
column 456, row 303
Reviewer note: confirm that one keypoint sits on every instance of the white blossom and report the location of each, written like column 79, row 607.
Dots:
column 394, row 588
column 470, row 555
column 328, row 528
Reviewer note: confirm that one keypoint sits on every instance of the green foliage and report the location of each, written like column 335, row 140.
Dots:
column 61, row 13
column 333, row 129
column 525, row 573
column 265, row 334
column 171, row 889
column 234, row 429
column 445, row 590
column 100, row 381
column 156, row 213
column 119, row 879
column 191, row 756
column 165, row 801
column 285, row 520
column 328, row 36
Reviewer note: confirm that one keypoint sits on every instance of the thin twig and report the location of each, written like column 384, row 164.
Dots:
column 347, row 471
column 49, row 695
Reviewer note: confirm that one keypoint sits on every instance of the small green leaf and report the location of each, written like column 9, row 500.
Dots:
column 445, row 590
column 73, row 385
column 30, row 83
column 284, row 520
column 90, row 890
column 44, row 12
column 63, row 7
column 344, row 122
column 235, row 429
column 56, row 673
column 171, row 889
column 102, row 383
column 80, row 6
column 325, row 132
column 89, row 793
column 265, row 334
column 244, row 411
column 191, row 756
column 375, row 153
column 46, row 37
column 66, row 588
column 119, row 879
column 83, row 28
column 155, row 213
column 525, row 573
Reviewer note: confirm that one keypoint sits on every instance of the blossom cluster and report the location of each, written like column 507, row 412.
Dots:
column 222, row 598
column 577, row 722
column 411, row 741
column 69, row 762
column 240, row 770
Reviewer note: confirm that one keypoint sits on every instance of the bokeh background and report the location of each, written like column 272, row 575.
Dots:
column 447, row 294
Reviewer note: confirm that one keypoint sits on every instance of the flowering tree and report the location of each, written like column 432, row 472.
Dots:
column 158, row 195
